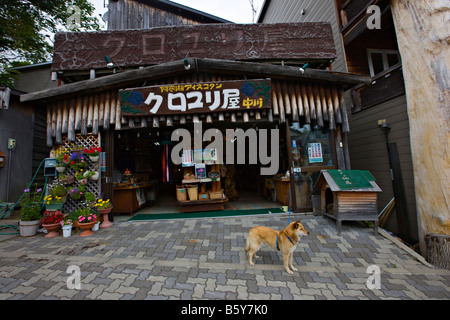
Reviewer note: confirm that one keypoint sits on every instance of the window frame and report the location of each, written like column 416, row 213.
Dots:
column 384, row 54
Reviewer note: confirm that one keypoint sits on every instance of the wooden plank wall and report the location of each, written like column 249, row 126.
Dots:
column 367, row 146
column 127, row 14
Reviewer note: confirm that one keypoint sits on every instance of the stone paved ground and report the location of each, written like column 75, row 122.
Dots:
column 205, row 259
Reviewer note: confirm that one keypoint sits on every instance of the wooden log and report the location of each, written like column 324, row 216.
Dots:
column 306, row 110
column 274, row 100
column 84, row 115
column 286, row 95
column 293, row 99
column 65, row 116
column 90, row 118
column 312, row 104
column 298, row 94
column 281, row 109
column 71, row 124
column 144, row 122
column 245, row 117
column 336, row 104
column 323, row 98
column 318, row 103
column 53, row 106
column 101, row 108
column 345, row 123
column 95, row 115
column 107, row 110
column 422, row 36
column 49, row 126
column 182, row 119
column 169, row 121
column 59, row 113
column 78, row 112
column 155, row 122
column 112, row 118
column 118, row 121
column 330, row 108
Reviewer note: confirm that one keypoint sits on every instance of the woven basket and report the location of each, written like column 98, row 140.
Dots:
column 192, row 193
column 203, row 196
column 181, row 193
column 213, row 195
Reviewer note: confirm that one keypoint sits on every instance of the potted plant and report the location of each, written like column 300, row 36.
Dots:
column 53, row 203
column 90, row 174
column 66, row 226
column 89, row 197
column 78, row 161
column 57, row 189
column 66, row 179
column 52, row 222
column 104, row 207
column 30, row 212
column 79, row 176
column 93, row 153
column 77, row 193
column 86, row 220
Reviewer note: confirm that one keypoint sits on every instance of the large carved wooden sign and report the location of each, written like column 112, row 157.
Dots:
column 202, row 97
column 283, row 41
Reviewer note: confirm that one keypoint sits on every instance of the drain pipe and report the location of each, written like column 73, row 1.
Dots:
column 8, row 174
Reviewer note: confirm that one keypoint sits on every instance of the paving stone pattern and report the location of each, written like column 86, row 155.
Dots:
column 205, row 259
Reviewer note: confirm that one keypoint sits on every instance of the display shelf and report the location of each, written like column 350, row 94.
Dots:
column 200, row 180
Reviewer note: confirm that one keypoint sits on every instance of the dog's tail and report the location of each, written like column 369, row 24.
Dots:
column 247, row 244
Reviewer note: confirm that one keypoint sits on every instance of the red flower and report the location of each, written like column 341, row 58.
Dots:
column 72, row 163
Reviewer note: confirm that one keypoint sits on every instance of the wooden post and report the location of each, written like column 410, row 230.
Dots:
column 422, row 34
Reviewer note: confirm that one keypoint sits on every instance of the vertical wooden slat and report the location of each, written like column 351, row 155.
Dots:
column 112, row 118
column 71, row 124
column 331, row 118
column 336, row 105
column 287, row 101
column 84, row 115
column 107, row 110
column 312, row 105
column 274, row 100
column 65, row 116
column 280, row 102
column 293, row 102
column 78, row 112
column 298, row 93
column 101, row 108
column 49, row 126
column 318, row 106
column 53, row 106
column 305, row 103
column 59, row 113
column 95, row 115
column 345, row 124
column 90, row 118
column 118, row 113
column 324, row 103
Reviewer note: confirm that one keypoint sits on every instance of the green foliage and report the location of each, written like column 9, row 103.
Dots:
column 25, row 27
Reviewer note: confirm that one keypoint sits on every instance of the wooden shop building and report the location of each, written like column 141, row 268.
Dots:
column 128, row 90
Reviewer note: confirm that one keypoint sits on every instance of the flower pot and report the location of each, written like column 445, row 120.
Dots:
column 82, row 181
column 68, row 180
column 51, row 228
column 29, row 228
column 96, row 226
column 106, row 223
column 60, row 169
column 67, row 230
column 86, row 227
column 95, row 176
column 94, row 158
column 54, row 206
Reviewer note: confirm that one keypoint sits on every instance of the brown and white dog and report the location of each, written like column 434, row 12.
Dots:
column 285, row 241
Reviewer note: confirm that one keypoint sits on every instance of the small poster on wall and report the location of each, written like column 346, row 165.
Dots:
column 315, row 152
column 187, row 159
column 200, row 171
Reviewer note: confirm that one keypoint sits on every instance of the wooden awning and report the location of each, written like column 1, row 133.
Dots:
column 314, row 96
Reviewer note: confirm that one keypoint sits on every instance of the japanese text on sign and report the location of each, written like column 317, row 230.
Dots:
column 196, row 98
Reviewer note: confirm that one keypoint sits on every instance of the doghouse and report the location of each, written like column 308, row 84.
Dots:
column 348, row 195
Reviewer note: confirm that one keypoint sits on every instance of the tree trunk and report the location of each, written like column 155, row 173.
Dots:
column 423, row 37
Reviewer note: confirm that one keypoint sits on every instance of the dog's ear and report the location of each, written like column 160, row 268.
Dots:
column 296, row 224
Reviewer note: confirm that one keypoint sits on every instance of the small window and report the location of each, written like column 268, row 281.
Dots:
column 380, row 60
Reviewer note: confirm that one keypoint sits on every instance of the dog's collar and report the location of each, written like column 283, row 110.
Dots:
column 278, row 247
